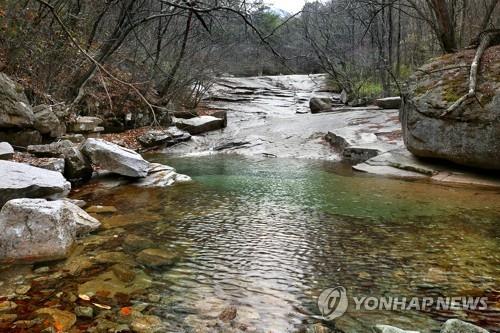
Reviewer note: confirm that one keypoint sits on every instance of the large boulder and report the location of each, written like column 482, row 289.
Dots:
column 318, row 104
column 458, row 326
column 469, row 135
column 116, row 159
column 47, row 122
column 20, row 180
column 6, row 151
column 200, row 124
column 15, row 110
column 35, row 230
column 77, row 167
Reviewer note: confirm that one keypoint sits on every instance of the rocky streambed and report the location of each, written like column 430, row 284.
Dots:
column 269, row 220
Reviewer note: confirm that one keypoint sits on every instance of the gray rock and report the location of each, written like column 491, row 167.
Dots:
column 84, row 312
column 116, row 159
column 390, row 329
column 75, row 138
column 156, row 138
column 24, row 181
column 318, row 104
column 77, row 166
column 53, row 164
column 458, row 326
column 85, row 124
column 160, row 175
column 35, row 230
column 388, row 102
column 46, row 121
column 471, row 134
column 15, row 111
column 55, row 149
column 6, row 151
column 22, row 138
column 200, row 124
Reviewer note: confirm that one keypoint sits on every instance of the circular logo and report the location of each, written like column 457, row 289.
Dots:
column 332, row 302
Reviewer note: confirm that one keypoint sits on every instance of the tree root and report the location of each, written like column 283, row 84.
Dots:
column 485, row 40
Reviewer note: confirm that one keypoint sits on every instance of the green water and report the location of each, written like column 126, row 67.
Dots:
column 268, row 235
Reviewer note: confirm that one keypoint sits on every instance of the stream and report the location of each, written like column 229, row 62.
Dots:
column 267, row 236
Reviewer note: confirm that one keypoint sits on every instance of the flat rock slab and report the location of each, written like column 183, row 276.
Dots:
column 35, row 230
column 116, row 159
column 200, row 124
column 21, row 180
column 86, row 124
column 6, row 151
column 388, row 102
column 385, row 170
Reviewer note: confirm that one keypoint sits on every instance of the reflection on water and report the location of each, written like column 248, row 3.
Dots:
column 269, row 235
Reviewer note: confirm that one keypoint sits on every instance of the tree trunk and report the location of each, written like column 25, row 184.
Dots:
column 446, row 29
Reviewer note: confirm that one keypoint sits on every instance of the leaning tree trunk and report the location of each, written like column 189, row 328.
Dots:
column 486, row 39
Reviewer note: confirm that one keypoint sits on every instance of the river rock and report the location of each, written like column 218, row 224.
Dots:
column 84, row 311
column 46, row 121
column 36, row 230
column 55, row 149
column 318, row 104
column 6, row 151
column 388, row 102
column 21, row 138
column 116, row 159
column 15, row 111
column 160, row 175
column 200, row 124
column 157, row 257
column 52, row 164
column 156, row 138
column 86, row 125
column 101, row 209
column 137, row 243
column 228, row 314
column 318, row 328
column 147, row 324
column 458, row 326
column 469, row 135
column 7, row 306
column 64, row 319
column 390, row 329
column 74, row 137
column 124, row 272
column 24, row 181
column 77, row 166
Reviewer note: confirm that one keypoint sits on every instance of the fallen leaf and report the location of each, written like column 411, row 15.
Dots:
column 126, row 311
column 102, row 306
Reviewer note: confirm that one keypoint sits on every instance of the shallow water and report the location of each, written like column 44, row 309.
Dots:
column 268, row 235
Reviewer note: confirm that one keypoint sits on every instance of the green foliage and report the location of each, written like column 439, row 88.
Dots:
column 370, row 89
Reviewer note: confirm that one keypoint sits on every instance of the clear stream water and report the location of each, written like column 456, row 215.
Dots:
column 268, row 235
